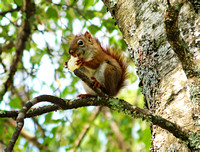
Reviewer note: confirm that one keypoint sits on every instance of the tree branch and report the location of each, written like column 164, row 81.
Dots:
column 7, row 45
column 87, row 80
column 4, row 47
column 23, row 111
column 120, row 106
column 24, row 33
column 178, row 44
column 26, row 134
column 10, row 11
column 192, row 139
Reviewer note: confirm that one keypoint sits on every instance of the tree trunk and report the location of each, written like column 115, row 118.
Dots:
column 163, row 39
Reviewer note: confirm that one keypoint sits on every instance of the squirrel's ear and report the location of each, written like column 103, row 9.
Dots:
column 88, row 36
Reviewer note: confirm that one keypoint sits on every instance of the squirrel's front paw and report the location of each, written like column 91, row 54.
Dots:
column 80, row 61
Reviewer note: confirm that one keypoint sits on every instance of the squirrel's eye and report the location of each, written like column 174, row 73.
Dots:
column 80, row 42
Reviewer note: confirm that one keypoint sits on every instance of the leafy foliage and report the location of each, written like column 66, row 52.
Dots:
column 41, row 71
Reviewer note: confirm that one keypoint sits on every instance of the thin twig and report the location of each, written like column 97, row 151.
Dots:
column 10, row 11
column 31, row 113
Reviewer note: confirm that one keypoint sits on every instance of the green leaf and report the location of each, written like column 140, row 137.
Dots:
column 52, row 13
column 19, row 2
column 109, row 24
column 15, row 103
column 48, row 117
column 147, row 139
column 90, row 14
column 93, row 29
column 38, row 10
column 88, row 3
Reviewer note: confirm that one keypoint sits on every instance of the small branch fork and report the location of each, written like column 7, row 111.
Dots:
column 178, row 44
column 22, row 113
column 113, row 103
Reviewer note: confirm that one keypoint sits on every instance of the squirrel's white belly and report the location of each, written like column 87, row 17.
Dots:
column 98, row 74
column 90, row 73
column 87, row 89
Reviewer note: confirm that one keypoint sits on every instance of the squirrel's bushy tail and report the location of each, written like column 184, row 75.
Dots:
column 122, row 62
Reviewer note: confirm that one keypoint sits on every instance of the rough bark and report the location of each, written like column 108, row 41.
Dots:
column 169, row 84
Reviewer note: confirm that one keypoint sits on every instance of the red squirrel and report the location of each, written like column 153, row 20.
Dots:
column 107, row 68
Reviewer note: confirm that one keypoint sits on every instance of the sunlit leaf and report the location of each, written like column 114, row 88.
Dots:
column 52, row 13
column 15, row 103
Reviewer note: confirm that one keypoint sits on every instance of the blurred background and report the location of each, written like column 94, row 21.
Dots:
column 40, row 70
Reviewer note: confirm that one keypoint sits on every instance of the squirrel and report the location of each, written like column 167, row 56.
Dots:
column 106, row 67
